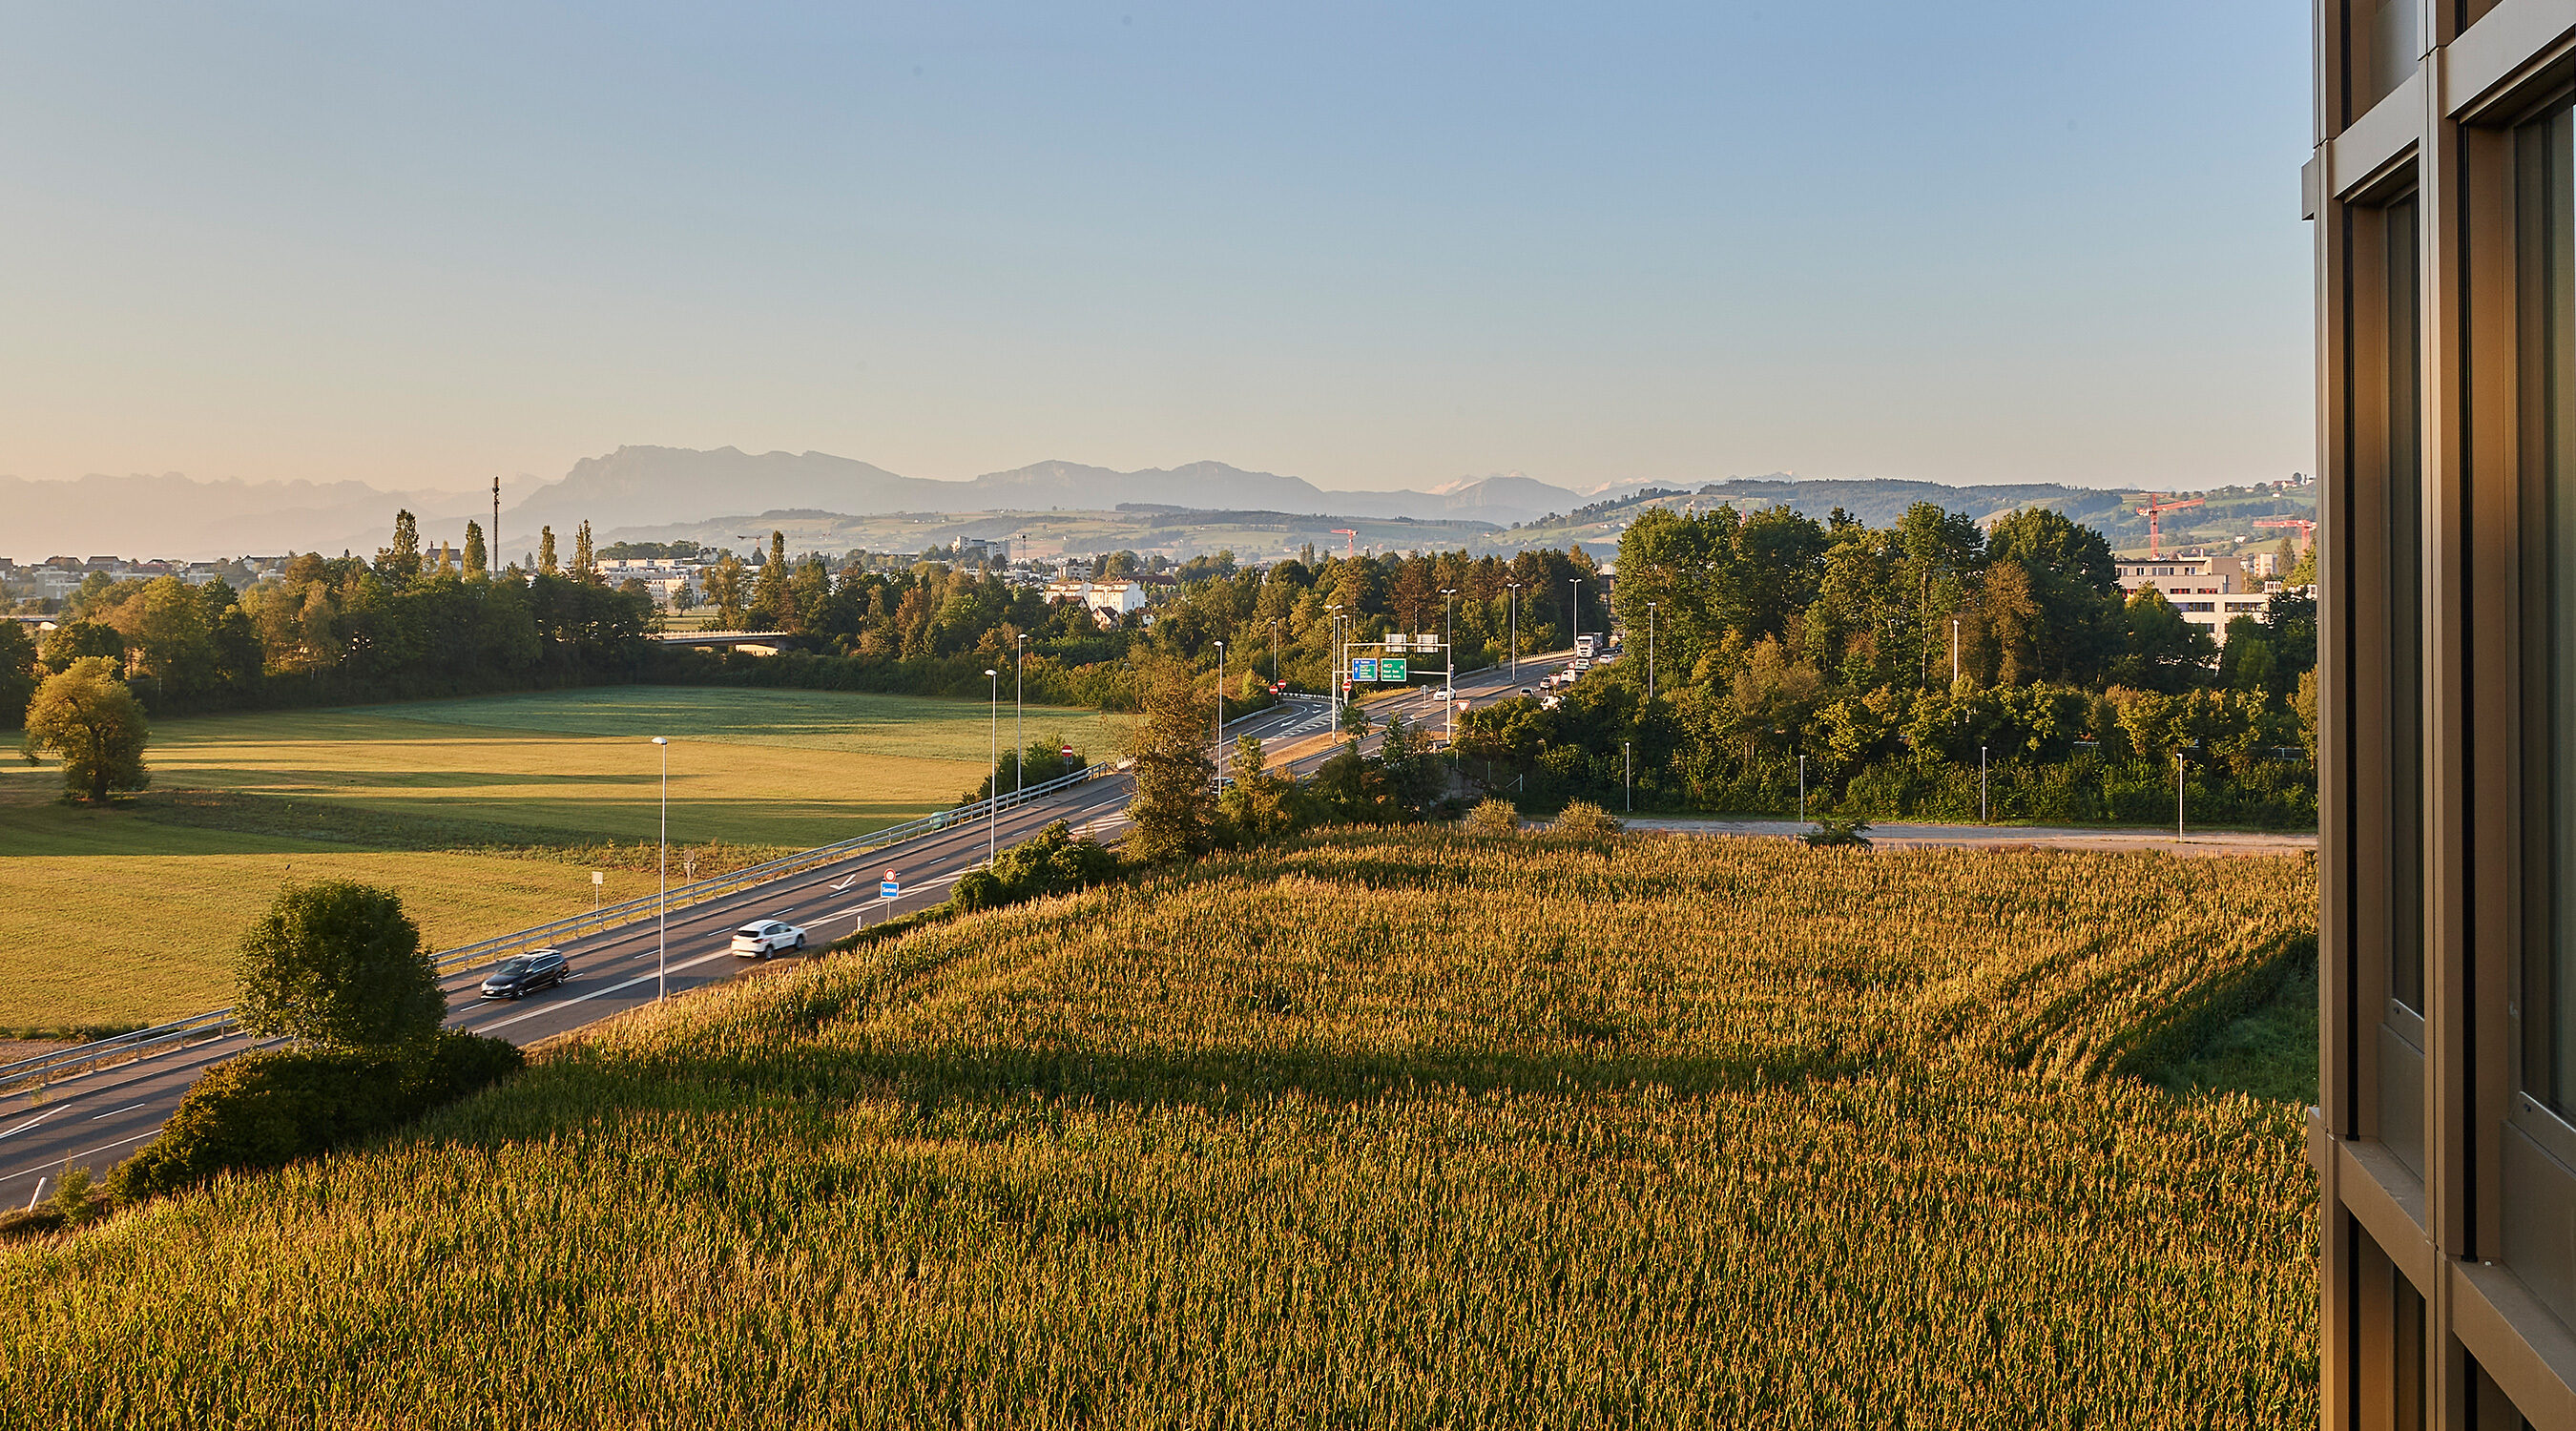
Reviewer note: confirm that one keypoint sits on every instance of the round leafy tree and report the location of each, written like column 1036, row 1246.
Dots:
column 87, row 716
column 339, row 965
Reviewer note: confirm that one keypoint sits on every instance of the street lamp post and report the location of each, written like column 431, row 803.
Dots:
column 1802, row 787
column 1449, row 661
column 1333, row 679
column 1578, row 613
column 1628, row 764
column 1650, row 650
column 993, row 802
column 1982, row 817
column 1448, row 642
column 1954, row 653
column 1019, row 719
column 1219, row 762
column 662, row 904
column 1515, row 601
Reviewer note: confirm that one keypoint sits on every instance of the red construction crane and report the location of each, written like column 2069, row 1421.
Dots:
column 2307, row 529
column 1353, row 545
column 2154, row 512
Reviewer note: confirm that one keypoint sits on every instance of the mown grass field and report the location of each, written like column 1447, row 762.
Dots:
column 794, row 768
column 148, row 900
column 1373, row 1130
column 98, row 941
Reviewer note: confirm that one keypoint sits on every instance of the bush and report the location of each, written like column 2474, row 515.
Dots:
column 338, row 964
column 1582, row 817
column 76, row 1200
column 461, row 1064
column 1494, row 817
column 264, row 1110
column 977, row 889
column 1830, row 832
column 1050, row 862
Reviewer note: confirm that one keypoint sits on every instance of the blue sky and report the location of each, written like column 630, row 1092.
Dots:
column 1371, row 246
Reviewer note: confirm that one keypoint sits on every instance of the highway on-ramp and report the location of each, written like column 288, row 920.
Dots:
column 99, row 1118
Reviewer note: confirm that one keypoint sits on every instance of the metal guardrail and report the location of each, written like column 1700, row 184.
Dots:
column 218, row 1022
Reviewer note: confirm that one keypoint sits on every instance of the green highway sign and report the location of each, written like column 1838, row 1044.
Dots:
column 1391, row 668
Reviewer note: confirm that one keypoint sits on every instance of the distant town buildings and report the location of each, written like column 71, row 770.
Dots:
column 1110, row 601
column 666, row 578
column 2208, row 590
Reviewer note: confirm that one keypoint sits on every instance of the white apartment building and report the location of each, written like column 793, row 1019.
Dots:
column 2209, row 591
column 1110, row 601
column 664, row 579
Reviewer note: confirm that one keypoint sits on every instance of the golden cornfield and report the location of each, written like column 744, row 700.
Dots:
column 1409, row 1129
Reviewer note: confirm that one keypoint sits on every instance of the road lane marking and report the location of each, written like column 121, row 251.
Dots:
column 957, row 839
column 128, row 1108
column 32, row 1122
column 594, row 994
column 68, row 1158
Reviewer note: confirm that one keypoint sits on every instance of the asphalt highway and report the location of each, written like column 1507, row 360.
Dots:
column 97, row 1119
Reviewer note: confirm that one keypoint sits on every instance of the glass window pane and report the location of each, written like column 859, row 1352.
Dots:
column 2405, row 525
column 2547, row 255
column 2384, row 45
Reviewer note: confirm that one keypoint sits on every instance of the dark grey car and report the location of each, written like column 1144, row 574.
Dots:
column 543, row 969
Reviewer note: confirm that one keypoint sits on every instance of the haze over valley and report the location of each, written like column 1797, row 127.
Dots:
column 827, row 502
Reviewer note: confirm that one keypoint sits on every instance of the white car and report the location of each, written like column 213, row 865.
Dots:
column 759, row 941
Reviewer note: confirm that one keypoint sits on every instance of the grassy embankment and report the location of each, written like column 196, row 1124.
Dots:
column 487, row 814
column 1373, row 1130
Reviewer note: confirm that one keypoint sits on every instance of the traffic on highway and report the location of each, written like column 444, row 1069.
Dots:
column 97, row 1119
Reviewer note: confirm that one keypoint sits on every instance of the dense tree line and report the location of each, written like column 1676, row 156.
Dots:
column 409, row 623
column 934, row 629
column 346, row 629
column 1774, row 637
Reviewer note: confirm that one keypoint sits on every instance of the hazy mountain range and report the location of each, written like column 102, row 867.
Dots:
column 643, row 487
column 657, row 491
column 651, row 486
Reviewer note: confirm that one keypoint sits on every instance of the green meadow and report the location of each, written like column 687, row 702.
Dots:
column 487, row 814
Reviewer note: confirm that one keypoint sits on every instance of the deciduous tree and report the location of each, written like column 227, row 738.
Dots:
column 339, row 965
column 77, row 640
column 1174, row 771
column 399, row 564
column 17, row 673
column 91, row 720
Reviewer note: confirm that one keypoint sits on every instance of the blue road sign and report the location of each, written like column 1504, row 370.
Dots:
column 890, row 887
column 1364, row 668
